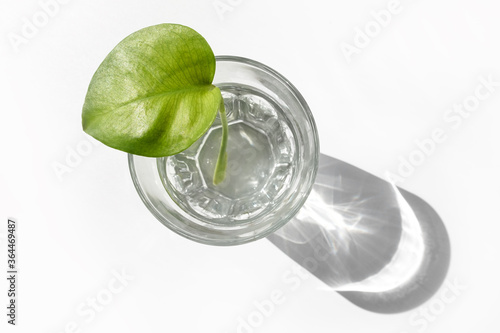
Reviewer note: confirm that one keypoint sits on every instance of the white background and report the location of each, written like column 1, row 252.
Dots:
column 78, row 229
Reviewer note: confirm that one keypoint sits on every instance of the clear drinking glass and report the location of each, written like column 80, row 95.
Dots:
column 273, row 153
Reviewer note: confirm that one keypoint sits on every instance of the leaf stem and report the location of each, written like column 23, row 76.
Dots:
column 220, row 167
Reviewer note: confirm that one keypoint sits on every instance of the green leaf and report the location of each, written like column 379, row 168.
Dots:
column 153, row 94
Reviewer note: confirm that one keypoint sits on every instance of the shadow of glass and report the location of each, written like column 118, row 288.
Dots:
column 382, row 248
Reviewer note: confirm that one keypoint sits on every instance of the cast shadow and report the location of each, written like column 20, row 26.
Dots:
column 382, row 248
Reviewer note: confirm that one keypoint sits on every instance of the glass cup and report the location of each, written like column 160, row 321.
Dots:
column 273, row 154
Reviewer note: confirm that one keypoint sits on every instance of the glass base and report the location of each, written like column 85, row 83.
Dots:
column 261, row 157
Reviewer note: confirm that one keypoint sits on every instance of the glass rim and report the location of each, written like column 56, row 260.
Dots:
column 303, row 194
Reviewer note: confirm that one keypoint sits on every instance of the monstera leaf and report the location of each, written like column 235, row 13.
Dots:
column 153, row 94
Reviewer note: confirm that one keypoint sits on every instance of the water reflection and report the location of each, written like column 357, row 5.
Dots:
column 381, row 247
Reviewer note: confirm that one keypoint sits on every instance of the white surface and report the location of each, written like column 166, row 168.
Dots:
column 74, row 232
